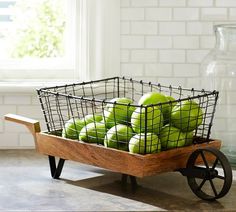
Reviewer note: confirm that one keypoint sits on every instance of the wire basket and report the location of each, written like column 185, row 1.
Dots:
column 129, row 115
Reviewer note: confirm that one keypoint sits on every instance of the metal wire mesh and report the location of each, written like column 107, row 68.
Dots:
column 108, row 112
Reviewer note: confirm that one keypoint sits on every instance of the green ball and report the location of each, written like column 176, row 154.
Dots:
column 187, row 115
column 72, row 128
column 92, row 118
column 170, row 98
column 137, row 143
column 152, row 122
column 118, row 114
column 171, row 137
column 118, row 137
column 93, row 133
column 156, row 98
column 171, row 104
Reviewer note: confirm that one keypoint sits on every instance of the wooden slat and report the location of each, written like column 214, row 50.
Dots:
column 175, row 158
column 31, row 124
column 112, row 159
column 116, row 160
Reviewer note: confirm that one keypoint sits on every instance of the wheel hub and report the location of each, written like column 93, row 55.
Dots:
column 211, row 174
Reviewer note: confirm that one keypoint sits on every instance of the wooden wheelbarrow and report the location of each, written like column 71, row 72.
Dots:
column 196, row 162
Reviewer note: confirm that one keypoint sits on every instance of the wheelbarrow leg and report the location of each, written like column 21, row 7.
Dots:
column 133, row 181
column 55, row 170
column 134, row 184
column 124, row 178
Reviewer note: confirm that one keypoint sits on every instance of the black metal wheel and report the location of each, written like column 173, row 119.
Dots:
column 211, row 180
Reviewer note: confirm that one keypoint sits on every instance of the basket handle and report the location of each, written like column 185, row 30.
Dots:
column 31, row 124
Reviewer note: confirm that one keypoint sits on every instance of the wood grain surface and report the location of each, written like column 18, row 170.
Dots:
column 32, row 125
column 116, row 160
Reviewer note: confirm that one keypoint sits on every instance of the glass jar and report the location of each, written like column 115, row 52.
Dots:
column 218, row 72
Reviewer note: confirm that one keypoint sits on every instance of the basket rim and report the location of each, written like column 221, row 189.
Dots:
column 127, row 79
column 70, row 96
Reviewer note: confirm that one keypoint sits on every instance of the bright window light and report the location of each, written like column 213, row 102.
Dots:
column 37, row 35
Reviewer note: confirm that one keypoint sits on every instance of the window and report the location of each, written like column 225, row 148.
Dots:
column 37, row 39
column 88, row 48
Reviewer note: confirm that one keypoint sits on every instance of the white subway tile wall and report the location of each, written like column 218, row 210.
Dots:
column 179, row 34
column 161, row 40
column 16, row 136
column 181, row 37
column 172, row 3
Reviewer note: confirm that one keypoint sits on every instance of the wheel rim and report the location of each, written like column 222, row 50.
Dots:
column 215, row 185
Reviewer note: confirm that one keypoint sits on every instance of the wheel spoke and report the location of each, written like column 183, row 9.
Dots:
column 202, row 183
column 204, row 159
column 215, row 163
column 220, row 177
column 213, row 187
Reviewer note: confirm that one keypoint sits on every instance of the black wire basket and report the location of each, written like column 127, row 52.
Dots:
column 129, row 115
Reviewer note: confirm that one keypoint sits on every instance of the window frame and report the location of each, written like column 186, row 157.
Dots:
column 100, row 39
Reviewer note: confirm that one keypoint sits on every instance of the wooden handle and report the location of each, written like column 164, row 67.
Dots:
column 31, row 124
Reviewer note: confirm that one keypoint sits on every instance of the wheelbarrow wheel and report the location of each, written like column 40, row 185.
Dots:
column 215, row 179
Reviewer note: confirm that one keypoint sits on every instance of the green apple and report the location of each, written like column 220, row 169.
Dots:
column 92, row 118
column 189, row 138
column 171, row 105
column 137, row 143
column 186, row 115
column 170, row 98
column 118, row 137
column 93, row 133
column 147, row 119
column 156, row 98
column 118, row 114
column 152, row 98
column 72, row 128
column 171, row 137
